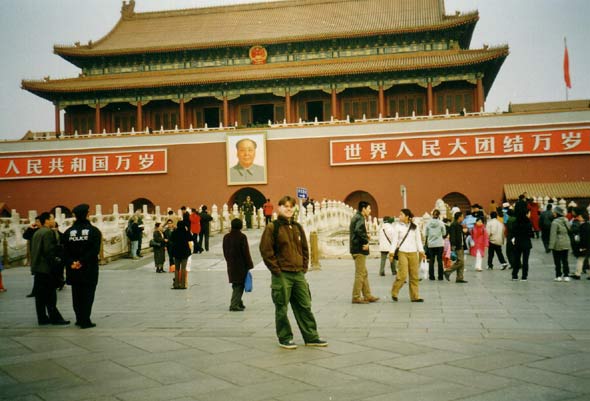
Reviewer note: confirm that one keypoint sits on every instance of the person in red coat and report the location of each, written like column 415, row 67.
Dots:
column 237, row 256
column 195, row 228
column 481, row 241
column 534, row 216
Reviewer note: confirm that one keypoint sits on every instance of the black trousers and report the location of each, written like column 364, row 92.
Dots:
column 45, row 298
column 82, row 300
column 510, row 253
column 196, row 246
column 438, row 252
column 204, row 236
column 497, row 249
column 170, row 257
column 519, row 263
column 236, row 296
column 562, row 267
column 545, row 232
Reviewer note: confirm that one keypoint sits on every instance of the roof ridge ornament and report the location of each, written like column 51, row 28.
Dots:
column 128, row 9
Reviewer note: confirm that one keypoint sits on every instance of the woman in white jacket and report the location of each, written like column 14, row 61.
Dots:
column 407, row 237
column 385, row 236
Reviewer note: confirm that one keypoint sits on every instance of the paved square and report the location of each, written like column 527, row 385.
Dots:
column 490, row 339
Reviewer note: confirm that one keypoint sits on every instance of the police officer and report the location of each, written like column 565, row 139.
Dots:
column 82, row 246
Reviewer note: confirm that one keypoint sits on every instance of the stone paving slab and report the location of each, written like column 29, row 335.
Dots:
column 490, row 339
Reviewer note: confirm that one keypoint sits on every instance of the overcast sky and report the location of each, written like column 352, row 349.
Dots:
column 533, row 72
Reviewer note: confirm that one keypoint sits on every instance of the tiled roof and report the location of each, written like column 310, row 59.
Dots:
column 304, row 69
column 267, row 23
column 566, row 190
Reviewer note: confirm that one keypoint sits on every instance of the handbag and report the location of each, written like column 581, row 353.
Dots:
column 248, row 282
column 155, row 244
column 396, row 253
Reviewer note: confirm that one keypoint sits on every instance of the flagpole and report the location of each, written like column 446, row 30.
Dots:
column 565, row 83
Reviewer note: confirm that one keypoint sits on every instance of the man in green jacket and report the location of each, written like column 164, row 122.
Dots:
column 284, row 249
column 43, row 259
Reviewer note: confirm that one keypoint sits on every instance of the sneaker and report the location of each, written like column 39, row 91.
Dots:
column 514, row 279
column 478, row 270
column 575, row 277
column 490, row 267
column 566, row 278
column 288, row 344
column 504, row 266
column 523, row 279
column 557, row 279
column 317, row 343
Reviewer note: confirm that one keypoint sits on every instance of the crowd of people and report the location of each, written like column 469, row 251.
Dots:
column 403, row 244
column 507, row 228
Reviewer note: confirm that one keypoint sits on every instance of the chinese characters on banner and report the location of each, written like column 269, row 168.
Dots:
column 484, row 145
column 61, row 165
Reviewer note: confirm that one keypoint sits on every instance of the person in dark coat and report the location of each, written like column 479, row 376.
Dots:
column 44, row 246
column 170, row 227
column 205, row 227
column 239, row 261
column 181, row 251
column 82, row 246
column 521, row 232
column 159, row 248
column 28, row 235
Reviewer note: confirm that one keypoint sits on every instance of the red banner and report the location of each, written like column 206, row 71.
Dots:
column 469, row 146
column 83, row 164
column 566, row 69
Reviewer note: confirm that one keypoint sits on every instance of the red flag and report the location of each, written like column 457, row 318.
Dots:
column 566, row 69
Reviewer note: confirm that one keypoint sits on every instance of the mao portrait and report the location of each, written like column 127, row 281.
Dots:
column 246, row 159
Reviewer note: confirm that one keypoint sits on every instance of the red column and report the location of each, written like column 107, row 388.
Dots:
column 225, row 112
column 181, row 114
column 288, row 107
column 381, row 101
column 57, row 121
column 479, row 91
column 97, row 118
column 335, row 113
column 430, row 98
column 139, row 117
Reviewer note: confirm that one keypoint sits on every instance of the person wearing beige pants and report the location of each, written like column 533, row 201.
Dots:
column 407, row 264
column 359, row 249
column 407, row 241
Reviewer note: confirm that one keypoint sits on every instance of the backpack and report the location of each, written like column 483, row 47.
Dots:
column 129, row 229
column 275, row 233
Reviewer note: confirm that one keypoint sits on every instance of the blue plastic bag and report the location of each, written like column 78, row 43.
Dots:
column 248, row 282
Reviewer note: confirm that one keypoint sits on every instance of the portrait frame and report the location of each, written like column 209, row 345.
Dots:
column 236, row 173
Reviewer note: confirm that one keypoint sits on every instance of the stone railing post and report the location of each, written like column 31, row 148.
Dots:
column 315, row 251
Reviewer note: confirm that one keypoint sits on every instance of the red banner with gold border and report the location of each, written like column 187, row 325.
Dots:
column 59, row 165
column 463, row 146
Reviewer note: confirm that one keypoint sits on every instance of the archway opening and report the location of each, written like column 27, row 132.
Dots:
column 459, row 200
column 139, row 202
column 240, row 195
column 64, row 209
column 354, row 198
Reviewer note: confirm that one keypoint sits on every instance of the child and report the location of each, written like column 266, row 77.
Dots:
column 447, row 262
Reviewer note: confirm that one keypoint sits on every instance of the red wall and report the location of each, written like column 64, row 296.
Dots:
column 197, row 174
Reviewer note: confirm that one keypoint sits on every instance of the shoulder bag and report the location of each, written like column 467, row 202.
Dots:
column 396, row 253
